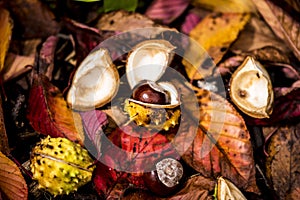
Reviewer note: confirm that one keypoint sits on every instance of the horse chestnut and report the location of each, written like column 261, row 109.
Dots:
column 166, row 178
column 150, row 92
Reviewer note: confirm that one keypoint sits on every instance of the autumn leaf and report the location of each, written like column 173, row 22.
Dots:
column 197, row 187
column 48, row 112
column 12, row 183
column 222, row 145
column 93, row 122
column 123, row 21
column 283, row 162
column 287, row 109
column 283, row 24
column 165, row 12
column 214, row 33
column 140, row 148
column 234, row 6
column 5, row 34
column 34, row 18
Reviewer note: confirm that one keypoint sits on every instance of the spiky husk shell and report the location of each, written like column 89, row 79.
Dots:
column 60, row 165
column 155, row 118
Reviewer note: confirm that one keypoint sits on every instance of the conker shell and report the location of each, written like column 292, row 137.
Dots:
column 148, row 94
column 166, row 178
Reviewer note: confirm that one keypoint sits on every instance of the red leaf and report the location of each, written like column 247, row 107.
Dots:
column 165, row 11
column 48, row 112
column 141, row 148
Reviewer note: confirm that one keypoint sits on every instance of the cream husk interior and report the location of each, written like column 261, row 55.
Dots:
column 251, row 89
column 148, row 61
column 95, row 82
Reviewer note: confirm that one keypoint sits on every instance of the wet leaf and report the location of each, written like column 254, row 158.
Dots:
column 48, row 112
column 5, row 34
column 93, row 123
column 165, row 12
column 222, row 145
column 283, row 162
column 214, row 33
column 12, row 183
column 282, row 23
column 197, row 187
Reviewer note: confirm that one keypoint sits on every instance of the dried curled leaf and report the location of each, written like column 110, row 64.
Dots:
column 222, row 145
column 197, row 187
column 283, row 162
column 5, row 34
column 214, row 33
column 282, row 23
column 12, row 183
column 48, row 112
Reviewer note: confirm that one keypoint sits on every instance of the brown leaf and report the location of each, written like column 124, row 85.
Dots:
column 123, row 21
column 214, row 33
column 12, row 183
column 282, row 23
column 48, row 112
column 283, row 164
column 17, row 65
column 256, row 35
column 222, row 144
column 196, row 187
column 33, row 17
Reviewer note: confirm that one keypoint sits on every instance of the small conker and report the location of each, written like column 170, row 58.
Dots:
column 166, row 178
column 150, row 92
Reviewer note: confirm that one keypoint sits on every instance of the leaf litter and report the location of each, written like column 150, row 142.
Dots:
column 228, row 152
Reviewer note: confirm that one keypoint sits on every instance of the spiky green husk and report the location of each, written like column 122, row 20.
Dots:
column 60, row 165
column 156, row 118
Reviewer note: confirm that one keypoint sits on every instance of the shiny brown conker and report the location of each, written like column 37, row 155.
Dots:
column 150, row 92
column 166, row 178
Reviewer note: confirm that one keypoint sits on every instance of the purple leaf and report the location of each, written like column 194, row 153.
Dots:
column 46, row 56
column 191, row 20
column 93, row 123
column 165, row 11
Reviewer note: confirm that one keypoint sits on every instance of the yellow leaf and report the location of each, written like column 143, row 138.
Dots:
column 237, row 6
column 214, row 33
column 5, row 34
column 227, row 190
column 12, row 183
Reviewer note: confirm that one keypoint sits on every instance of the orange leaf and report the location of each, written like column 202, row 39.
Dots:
column 12, row 183
column 222, row 145
column 48, row 112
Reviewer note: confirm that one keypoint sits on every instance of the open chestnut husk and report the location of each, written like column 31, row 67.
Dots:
column 166, row 178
